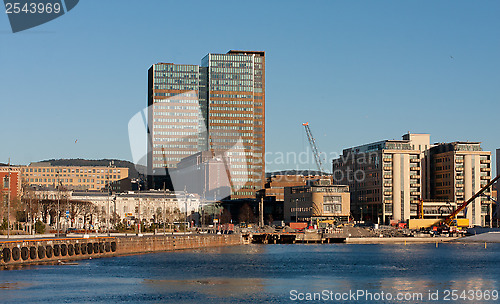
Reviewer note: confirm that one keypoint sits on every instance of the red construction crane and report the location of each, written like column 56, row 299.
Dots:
column 448, row 220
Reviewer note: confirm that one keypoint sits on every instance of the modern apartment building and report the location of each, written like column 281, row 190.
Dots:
column 223, row 111
column 384, row 178
column 72, row 177
column 458, row 171
column 317, row 201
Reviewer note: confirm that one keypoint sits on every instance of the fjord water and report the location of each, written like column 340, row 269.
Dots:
column 260, row 274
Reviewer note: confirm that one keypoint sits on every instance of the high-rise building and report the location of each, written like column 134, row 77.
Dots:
column 384, row 178
column 218, row 107
column 173, row 113
column 458, row 171
column 236, row 116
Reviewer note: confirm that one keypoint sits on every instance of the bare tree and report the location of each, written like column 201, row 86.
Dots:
column 225, row 217
column 246, row 214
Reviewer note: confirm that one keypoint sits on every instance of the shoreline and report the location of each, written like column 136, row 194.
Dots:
column 400, row 240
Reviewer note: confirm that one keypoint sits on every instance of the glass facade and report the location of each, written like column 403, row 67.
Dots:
column 236, row 102
column 218, row 106
column 175, row 114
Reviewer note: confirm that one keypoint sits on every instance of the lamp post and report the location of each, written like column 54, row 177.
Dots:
column 58, row 199
column 164, row 208
column 296, row 218
column 8, row 203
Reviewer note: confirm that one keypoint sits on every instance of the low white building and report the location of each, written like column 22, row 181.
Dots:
column 80, row 208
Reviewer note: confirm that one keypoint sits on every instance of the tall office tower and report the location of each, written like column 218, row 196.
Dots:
column 174, row 115
column 236, row 116
column 218, row 107
column 458, row 170
column 384, row 178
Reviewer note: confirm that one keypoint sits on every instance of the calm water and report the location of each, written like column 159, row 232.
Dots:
column 262, row 274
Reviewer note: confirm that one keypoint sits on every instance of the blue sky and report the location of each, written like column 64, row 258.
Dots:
column 358, row 71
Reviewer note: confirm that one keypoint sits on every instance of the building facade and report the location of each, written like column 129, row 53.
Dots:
column 458, row 171
column 72, row 177
column 222, row 111
column 174, row 113
column 236, row 116
column 318, row 201
column 94, row 210
column 15, row 182
column 275, row 185
column 384, row 178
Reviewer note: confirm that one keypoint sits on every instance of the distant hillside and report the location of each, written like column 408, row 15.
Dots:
column 296, row 172
column 2, row 164
column 133, row 172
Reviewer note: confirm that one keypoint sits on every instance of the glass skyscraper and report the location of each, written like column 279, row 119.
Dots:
column 228, row 92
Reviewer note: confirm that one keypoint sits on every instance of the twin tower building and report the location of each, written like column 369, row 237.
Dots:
column 206, row 125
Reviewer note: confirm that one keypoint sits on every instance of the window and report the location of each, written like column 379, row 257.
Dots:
column 332, row 203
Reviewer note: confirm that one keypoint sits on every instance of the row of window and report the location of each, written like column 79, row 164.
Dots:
column 190, row 94
column 173, row 107
column 193, row 87
column 66, row 180
column 233, row 96
column 176, row 81
column 241, row 109
column 176, row 67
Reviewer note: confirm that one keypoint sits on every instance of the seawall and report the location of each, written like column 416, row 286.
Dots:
column 36, row 251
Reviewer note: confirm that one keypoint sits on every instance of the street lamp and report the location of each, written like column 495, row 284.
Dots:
column 296, row 201
column 109, row 194
column 8, row 203
column 58, row 210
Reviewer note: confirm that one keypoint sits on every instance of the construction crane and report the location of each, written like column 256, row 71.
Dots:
column 314, row 148
column 449, row 219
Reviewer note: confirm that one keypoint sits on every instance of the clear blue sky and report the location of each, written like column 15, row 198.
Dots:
column 358, row 71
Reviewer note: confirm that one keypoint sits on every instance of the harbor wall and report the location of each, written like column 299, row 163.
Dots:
column 35, row 251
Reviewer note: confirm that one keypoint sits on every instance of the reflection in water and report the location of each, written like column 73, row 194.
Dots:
column 259, row 274
column 220, row 287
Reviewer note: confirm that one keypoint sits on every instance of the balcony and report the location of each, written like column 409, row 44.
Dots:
column 460, row 177
column 459, row 160
column 485, row 169
column 415, row 193
column 388, row 193
column 414, row 185
column 485, row 177
column 387, row 184
column 388, row 201
column 414, row 168
column 485, row 161
column 387, row 175
column 387, row 159
column 414, row 160
column 459, row 168
column 459, row 185
column 388, row 168
column 416, row 176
